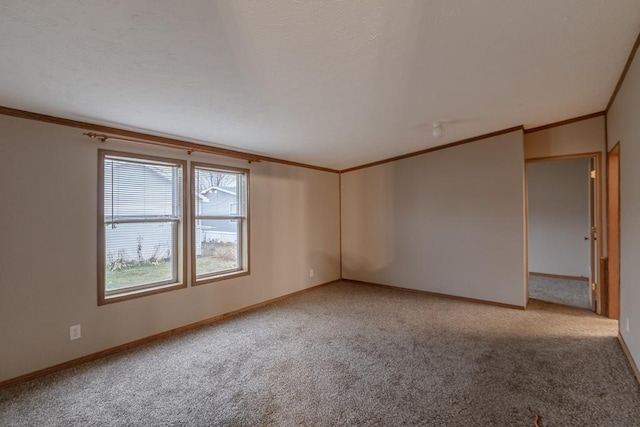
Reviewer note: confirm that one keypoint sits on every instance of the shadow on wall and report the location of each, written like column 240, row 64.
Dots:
column 298, row 217
column 451, row 222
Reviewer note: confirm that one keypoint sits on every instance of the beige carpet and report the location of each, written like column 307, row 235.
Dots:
column 560, row 291
column 349, row 354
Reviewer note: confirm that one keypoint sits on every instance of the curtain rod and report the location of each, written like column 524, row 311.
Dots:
column 190, row 149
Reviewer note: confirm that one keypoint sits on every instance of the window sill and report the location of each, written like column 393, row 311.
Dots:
column 220, row 277
column 123, row 296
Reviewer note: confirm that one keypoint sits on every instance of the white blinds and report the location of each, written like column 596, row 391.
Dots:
column 141, row 191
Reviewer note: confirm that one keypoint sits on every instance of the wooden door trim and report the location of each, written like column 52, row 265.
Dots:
column 599, row 208
column 613, row 306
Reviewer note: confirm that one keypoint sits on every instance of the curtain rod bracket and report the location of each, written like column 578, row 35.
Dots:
column 101, row 137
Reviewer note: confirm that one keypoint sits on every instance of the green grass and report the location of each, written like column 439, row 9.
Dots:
column 210, row 264
column 141, row 275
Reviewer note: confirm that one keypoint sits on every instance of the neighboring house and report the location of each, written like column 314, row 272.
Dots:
column 218, row 201
column 124, row 182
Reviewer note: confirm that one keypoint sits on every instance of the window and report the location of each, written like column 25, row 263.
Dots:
column 140, row 225
column 220, row 222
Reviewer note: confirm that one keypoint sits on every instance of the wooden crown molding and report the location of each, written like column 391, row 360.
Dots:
column 437, row 148
column 565, row 122
column 153, row 139
column 623, row 75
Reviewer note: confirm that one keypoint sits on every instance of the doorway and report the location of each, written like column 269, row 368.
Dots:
column 563, row 217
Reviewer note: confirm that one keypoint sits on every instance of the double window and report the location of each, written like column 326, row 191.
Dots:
column 142, row 243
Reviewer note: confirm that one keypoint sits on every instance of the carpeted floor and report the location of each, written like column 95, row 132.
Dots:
column 351, row 354
column 560, row 291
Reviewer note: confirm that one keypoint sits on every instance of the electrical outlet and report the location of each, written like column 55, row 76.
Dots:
column 311, row 273
column 74, row 332
column 627, row 325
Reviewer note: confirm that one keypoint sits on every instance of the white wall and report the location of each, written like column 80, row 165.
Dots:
column 585, row 136
column 624, row 126
column 48, row 182
column 450, row 221
column 558, row 196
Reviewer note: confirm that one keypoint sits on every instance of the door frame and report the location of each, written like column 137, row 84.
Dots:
column 613, row 222
column 601, row 295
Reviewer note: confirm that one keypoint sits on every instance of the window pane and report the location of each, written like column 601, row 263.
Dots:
column 217, row 193
column 216, row 245
column 219, row 231
column 134, row 189
column 139, row 254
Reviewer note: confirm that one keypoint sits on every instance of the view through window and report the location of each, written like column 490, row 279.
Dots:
column 141, row 222
column 220, row 220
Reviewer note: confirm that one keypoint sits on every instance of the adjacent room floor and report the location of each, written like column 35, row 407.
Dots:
column 574, row 293
column 353, row 354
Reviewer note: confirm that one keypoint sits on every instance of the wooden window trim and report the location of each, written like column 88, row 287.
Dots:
column 101, row 238
column 246, row 246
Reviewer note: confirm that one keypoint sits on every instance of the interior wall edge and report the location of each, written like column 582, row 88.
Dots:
column 623, row 74
column 565, row 122
column 438, row 295
column 623, row 128
column 436, row 148
column 629, row 357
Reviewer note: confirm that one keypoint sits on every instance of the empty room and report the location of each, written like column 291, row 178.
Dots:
column 279, row 212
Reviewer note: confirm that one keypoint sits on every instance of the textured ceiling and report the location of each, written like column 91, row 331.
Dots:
column 329, row 83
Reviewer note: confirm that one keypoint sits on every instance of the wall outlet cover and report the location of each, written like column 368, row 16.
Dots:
column 74, row 332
